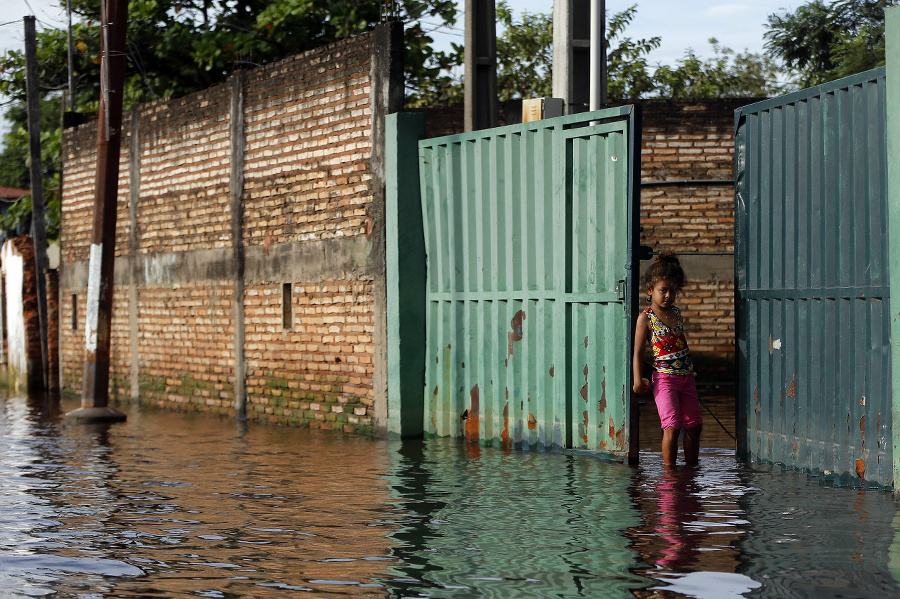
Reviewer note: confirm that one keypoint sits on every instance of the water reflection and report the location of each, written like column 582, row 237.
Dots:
column 836, row 548
column 510, row 524
column 177, row 504
column 187, row 505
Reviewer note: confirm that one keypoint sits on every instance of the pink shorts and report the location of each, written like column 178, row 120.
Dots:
column 677, row 400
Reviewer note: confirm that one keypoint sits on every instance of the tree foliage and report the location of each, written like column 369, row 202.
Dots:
column 629, row 74
column 524, row 54
column 726, row 74
column 180, row 46
column 821, row 41
column 15, row 165
column 525, row 60
column 175, row 47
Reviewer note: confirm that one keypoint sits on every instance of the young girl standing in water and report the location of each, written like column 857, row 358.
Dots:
column 673, row 384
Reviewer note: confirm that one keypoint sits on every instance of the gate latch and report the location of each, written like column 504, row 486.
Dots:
column 620, row 290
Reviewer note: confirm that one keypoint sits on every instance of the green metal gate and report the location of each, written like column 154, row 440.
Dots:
column 812, row 293
column 530, row 236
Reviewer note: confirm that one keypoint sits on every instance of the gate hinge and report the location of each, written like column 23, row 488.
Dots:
column 620, row 290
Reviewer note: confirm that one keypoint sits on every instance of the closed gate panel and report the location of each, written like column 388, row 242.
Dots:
column 812, row 281
column 528, row 234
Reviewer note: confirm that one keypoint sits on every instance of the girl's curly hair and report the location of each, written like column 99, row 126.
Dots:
column 665, row 266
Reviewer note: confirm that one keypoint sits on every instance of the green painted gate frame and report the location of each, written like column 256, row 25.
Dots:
column 892, row 92
column 405, row 257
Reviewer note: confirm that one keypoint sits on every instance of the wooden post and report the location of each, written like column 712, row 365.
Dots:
column 95, row 396
column 38, row 223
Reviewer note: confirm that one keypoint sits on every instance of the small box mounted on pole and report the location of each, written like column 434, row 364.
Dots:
column 535, row 109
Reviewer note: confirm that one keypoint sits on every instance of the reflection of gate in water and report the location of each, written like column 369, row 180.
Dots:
column 530, row 237
column 812, row 295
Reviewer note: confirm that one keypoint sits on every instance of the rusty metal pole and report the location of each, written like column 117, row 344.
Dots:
column 95, row 396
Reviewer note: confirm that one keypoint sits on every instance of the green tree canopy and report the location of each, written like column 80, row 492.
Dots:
column 726, row 74
column 629, row 74
column 180, row 46
column 822, row 41
column 176, row 47
column 525, row 57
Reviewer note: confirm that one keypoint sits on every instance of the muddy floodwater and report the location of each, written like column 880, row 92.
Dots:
column 181, row 505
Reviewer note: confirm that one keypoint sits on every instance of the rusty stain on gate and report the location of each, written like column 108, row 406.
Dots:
column 530, row 237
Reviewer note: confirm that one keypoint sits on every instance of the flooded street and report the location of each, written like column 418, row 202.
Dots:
column 182, row 505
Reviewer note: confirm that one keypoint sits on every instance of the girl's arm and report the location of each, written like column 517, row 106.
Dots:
column 641, row 332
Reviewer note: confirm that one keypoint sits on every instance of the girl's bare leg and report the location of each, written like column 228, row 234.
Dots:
column 692, row 445
column 670, row 445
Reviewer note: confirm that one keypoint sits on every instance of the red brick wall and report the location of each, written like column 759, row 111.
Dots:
column 319, row 371
column 52, row 278
column 184, row 173
column 308, row 179
column 688, row 139
column 308, row 144
column 77, row 206
column 185, row 349
column 33, row 376
column 693, row 140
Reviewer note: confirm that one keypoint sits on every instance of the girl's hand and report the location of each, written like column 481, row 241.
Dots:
column 642, row 386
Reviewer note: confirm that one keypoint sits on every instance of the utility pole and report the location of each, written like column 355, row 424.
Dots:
column 95, row 396
column 38, row 223
column 480, row 66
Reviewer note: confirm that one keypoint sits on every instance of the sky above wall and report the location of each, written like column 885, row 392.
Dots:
column 739, row 24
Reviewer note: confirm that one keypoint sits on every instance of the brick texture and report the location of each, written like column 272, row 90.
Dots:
column 307, row 178
column 317, row 370
column 24, row 246
column 308, row 144
column 184, row 174
column 693, row 141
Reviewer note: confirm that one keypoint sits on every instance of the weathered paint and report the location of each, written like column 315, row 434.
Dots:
column 528, row 236
column 812, row 295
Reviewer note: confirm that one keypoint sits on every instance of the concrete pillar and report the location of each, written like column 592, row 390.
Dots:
column 571, row 54
column 134, row 190
column 236, row 196
column 387, row 98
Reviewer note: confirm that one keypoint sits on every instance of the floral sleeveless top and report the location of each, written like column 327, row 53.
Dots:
column 670, row 349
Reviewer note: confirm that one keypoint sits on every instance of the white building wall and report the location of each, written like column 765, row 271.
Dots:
column 14, row 273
